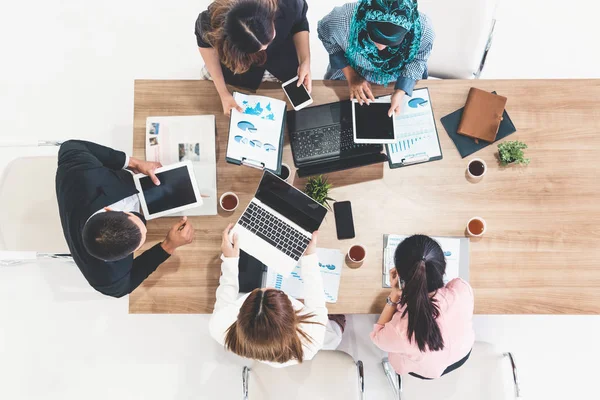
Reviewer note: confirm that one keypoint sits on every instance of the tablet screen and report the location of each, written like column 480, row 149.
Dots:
column 372, row 121
column 175, row 190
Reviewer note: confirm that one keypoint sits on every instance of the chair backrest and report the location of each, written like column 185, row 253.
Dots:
column 487, row 374
column 330, row 375
column 29, row 220
column 462, row 28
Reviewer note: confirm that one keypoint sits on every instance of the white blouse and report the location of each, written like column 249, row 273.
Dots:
column 228, row 305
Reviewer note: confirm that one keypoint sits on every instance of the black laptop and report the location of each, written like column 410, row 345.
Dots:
column 322, row 140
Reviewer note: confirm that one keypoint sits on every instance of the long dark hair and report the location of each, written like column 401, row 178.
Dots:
column 420, row 263
column 239, row 29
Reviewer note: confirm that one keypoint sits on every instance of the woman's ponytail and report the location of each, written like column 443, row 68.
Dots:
column 414, row 257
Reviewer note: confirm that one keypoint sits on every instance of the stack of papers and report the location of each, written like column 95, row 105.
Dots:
column 330, row 264
column 170, row 140
column 450, row 246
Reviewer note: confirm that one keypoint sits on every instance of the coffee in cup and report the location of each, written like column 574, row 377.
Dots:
column 357, row 254
column 476, row 168
column 285, row 172
column 476, row 227
column 229, row 201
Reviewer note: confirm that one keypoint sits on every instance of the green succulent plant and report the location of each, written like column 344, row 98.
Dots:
column 317, row 188
column 512, row 153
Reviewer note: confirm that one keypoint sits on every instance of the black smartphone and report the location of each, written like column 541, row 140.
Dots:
column 344, row 223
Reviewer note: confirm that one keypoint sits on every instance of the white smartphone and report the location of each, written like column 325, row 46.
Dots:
column 298, row 95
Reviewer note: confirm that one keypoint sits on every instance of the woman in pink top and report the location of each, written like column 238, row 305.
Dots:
column 425, row 326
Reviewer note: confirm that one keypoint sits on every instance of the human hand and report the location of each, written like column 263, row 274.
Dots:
column 396, row 106
column 229, row 103
column 230, row 250
column 180, row 234
column 145, row 167
column 395, row 284
column 312, row 246
column 304, row 75
column 360, row 89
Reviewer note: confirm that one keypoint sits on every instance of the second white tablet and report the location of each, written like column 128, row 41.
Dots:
column 371, row 122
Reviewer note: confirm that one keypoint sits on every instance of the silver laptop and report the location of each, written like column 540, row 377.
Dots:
column 277, row 225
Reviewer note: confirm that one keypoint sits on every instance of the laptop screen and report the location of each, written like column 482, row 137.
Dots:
column 290, row 202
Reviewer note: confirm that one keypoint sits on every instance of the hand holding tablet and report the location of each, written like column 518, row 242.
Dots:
column 372, row 123
column 178, row 190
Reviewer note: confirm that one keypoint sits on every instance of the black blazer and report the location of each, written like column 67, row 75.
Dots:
column 90, row 177
column 282, row 59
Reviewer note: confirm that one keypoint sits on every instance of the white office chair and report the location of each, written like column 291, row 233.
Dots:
column 464, row 31
column 330, row 375
column 487, row 374
column 29, row 221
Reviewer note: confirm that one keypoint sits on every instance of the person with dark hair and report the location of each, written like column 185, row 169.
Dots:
column 99, row 212
column 380, row 42
column 244, row 41
column 267, row 324
column 425, row 326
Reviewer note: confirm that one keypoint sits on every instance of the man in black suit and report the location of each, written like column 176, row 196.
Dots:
column 98, row 207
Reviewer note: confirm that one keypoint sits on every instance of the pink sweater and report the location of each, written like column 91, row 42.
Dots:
column 455, row 301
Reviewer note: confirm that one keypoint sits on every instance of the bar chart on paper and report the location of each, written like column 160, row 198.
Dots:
column 330, row 265
column 415, row 130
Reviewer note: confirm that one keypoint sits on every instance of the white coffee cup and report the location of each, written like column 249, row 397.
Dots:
column 473, row 166
column 223, row 196
column 360, row 248
column 482, row 229
column 283, row 167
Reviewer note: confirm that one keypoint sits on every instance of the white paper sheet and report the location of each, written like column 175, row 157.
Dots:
column 173, row 139
column 450, row 246
column 330, row 264
column 415, row 129
column 256, row 132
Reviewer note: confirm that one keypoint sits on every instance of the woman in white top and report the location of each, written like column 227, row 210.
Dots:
column 266, row 324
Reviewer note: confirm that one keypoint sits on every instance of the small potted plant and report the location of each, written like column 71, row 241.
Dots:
column 512, row 153
column 317, row 188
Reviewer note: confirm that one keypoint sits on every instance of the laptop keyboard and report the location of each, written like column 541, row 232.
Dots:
column 323, row 142
column 274, row 231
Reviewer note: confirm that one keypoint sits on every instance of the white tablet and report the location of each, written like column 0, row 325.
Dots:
column 178, row 191
column 371, row 122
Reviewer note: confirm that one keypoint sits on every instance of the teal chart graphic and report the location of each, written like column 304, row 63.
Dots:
column 246, row 126
column 258, row 110
column 405, row 144
column 417, row 102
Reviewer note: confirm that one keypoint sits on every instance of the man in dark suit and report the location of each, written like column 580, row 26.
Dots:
column 98, row 207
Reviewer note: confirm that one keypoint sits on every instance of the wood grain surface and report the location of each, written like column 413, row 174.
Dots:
column 541, row 252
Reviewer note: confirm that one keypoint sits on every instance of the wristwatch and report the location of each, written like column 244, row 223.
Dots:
column 391, row 303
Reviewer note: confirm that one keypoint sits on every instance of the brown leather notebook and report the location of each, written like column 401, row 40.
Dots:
column 482, row 115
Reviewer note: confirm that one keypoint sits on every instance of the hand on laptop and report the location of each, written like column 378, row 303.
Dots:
column 145, row 167
column 230, row 250
column 360, row 89
column 396, row 106
column 180, row 234
column 312, row 246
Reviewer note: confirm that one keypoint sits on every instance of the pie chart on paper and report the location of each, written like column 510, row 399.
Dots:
column 246, row 126
column 417, row 102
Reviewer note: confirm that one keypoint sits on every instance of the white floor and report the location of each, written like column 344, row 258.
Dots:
column 67, row 69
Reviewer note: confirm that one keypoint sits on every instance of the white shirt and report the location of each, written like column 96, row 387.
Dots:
column 227, row 306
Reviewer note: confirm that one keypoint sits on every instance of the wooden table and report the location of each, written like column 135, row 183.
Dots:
column 541, row 254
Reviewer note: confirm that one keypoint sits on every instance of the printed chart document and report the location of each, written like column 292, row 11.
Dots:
column 455, row 249
column 256, row 133
column 330, row 264
column 415, row 130
column 170, row 140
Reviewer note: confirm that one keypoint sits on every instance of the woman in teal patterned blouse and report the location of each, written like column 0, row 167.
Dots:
column 377, row 41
